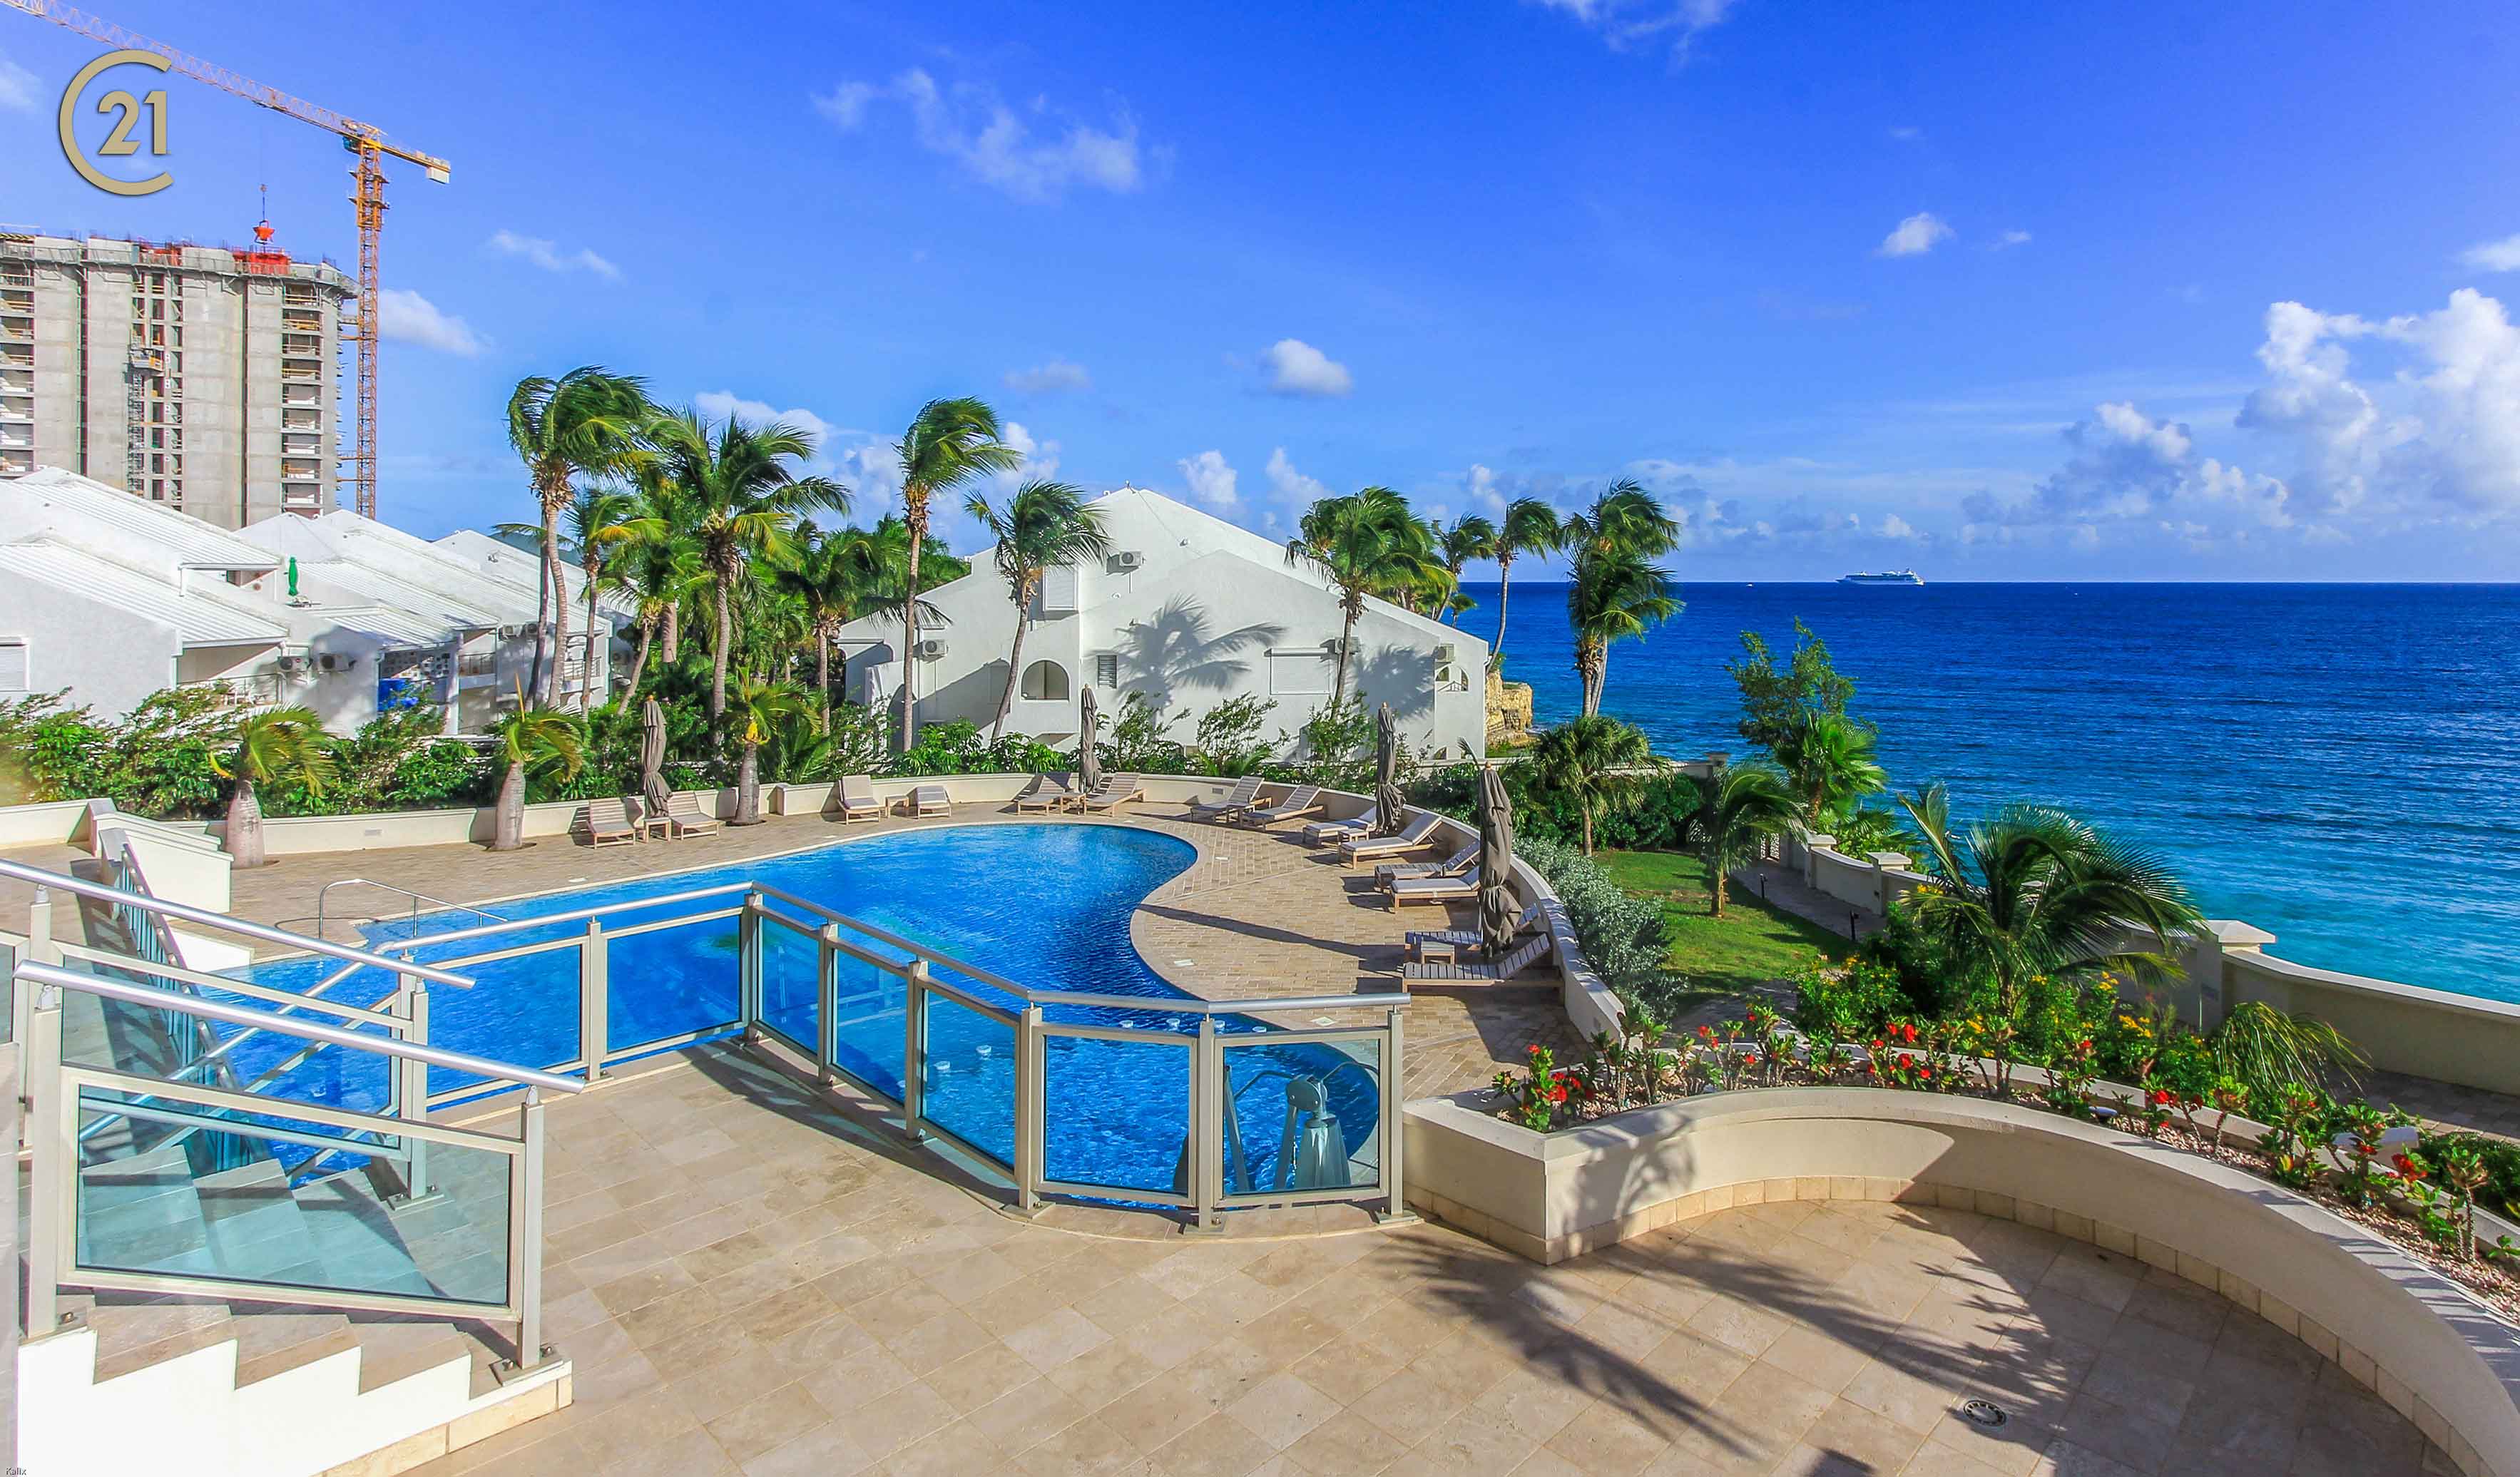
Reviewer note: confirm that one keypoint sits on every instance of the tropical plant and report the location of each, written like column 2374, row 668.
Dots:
column 1044, row 524
column 589, row 424
column 833, row 578
column 1470, row 537
column 1366, row 543
column 1529, row 526
column 587, row 531
column 1600, row 764
column 2033, row 893
column 2268, row 1050
column 1772, row 702
column 1225, row 740
column 1611, row 597
column 276, row 743
column 949, row 442
column 1829, row 758
column 757, row 713
column 536, row 738
column 1739, row 806
column 735, row 484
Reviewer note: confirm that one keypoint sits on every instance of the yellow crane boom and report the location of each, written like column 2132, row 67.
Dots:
column 365, row 141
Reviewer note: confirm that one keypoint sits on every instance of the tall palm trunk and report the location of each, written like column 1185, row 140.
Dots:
column 639, row 663
column 674, row 631
column 914, row 512
column 748, row 788
column 1504, row 594
column 244, row 825
column 507, row 818
column 823, row 664
column 1015, row 659
column 555, row 491
column 722, row 598
column 1348, row 607
column 594, row 571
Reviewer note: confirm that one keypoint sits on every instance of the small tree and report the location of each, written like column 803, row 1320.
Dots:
column 530, row 736
column 1737, row 806
column 754, row 711
column 1597, row 762
column 1829, row 756
column 273, row 745
column 1773, row 700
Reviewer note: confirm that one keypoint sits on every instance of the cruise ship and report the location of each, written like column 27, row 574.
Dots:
column 1883, row 577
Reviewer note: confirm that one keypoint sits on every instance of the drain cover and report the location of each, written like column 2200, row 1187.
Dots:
column 1983, row 1413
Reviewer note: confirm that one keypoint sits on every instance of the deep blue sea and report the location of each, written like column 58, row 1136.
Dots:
column 2336, row 764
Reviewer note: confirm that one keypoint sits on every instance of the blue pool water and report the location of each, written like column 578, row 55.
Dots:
column 1044, row 905
column 2336, row 764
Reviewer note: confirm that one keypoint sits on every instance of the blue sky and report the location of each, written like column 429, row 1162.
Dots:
column 2150, row 291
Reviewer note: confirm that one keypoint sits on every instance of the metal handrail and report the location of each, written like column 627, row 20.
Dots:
column 239, row 1015
column 416, row 898
column 221, row 922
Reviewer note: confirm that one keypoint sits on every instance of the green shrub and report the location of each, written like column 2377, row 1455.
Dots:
column 1623, row 936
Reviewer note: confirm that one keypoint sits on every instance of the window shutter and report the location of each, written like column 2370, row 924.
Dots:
column 13, row 667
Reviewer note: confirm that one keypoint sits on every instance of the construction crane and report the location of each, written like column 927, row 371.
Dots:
column 367, row 144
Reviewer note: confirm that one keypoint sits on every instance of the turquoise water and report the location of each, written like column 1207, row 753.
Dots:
column 2336, row 764
column 1044, row 905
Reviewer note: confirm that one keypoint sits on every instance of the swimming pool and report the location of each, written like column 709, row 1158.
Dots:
column 1046, row 905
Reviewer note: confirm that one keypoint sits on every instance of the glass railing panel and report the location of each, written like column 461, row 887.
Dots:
column 866, row 1025
column 670, row 982
column 787, row 982
column 1094, row 1132
column 168, row 1045
column 1303, row 1115
column 181, row 1190
column 522, row 1010
column 967, row 1078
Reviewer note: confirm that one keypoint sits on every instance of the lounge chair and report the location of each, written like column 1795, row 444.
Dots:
column 1452, row 865
column 683, row 816
column 1441, row 944
column 856, row 799
column 927, row 800
column 1116, row 791
column 1302, row 800
column 607, row 821
column 1416, row 835
column 1503, row 969
column 1245, row 794
column 1044, row 793
column 1325, row 832
column 1453, row 889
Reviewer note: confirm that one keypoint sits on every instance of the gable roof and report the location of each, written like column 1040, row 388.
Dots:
column 199, row 616
column 187, row 541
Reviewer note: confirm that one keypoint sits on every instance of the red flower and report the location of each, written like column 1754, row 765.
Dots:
column 2408, row 1168
column 1910, row 1032
column 1925, row 1074
column 1750, row 1061
column 1876, row 1043
column 2159, row 1097
column 1905, row 1060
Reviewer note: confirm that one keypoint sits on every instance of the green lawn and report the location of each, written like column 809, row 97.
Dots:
column 1751, row 943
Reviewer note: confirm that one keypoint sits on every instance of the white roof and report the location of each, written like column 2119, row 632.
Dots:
column 522, row 568
column 419, row 601
column 394, row 568
column 187, row 540
column 388, row 625
column 199, row 616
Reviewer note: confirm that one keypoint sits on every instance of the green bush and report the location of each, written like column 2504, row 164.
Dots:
column 1623, row 936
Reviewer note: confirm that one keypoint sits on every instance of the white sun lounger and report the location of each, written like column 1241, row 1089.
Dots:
column 1457, row 889
column 856, row 799
column 1416, row 835
column 682, row 817
column 1302, row 800
column 1044, row 793
column 1452, row 865
column 1117, row 790
column 1506, row 968
column 1323, row 832
column 927, row 800
column 607, row 822
column 1245, row 793
column 1439, row 945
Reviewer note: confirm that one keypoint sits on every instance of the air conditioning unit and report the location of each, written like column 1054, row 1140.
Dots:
column 334, row 661
column 933, row 647
column 292, row 665
column 1127, row 558
column 1443, row 653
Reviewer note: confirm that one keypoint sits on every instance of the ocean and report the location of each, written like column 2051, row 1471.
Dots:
column 2336, row 764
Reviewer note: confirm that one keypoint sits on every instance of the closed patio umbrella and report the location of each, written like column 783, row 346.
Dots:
column 1089, row 770
column 653, row 791
column 1496, row 864
column 1386, row 772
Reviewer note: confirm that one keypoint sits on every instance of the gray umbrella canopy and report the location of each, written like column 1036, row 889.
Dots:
column 1496, row 864
column 652, row 787
column 1386, row 772
column 1089, row 769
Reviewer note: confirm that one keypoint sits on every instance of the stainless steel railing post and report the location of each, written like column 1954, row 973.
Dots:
column 1032, row 1109
column 1206, row 1150
column 526, row 1244
column 50, row 1135
column 594, row 1000
column 1395, row 1205
column 914, row 1048
column 827, row 1000
column 749, row 939
column 412, row 1100
column 41, row 950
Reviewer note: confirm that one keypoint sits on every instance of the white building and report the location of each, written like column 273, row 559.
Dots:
column 1190, row 611
column 115, row 597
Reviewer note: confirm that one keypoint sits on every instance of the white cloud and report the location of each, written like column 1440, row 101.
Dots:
column 2128, row 470
column 1054, row 377
column 1907, row 135
column 1915, row 237
column 1893, row 526
column 1296, row 368
column 1293, row 489
column 1211, row 481
column 2008, row 239
column 2493, row 256
column 998, row 146
column 17, row 88
column 718, row 404
column 1627, row 22
column 407, row 316
column 548, row 256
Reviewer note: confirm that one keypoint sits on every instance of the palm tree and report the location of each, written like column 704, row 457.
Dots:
column 2033, row 893
column 1601, row 763
column 1470, row 537
column 586, row 540
column 1044, row 524
column 759, row 708
column 272, row 744
column 1366, row 543
column 1737, row 807
column 654, row 554
column 1530, row 526
column 949, row 442
column 1613, row 597
column 588, row 423
column 742, row 497
column 828, row 575
column 1624, row 519
column 1829, row 756
column 530, row 736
